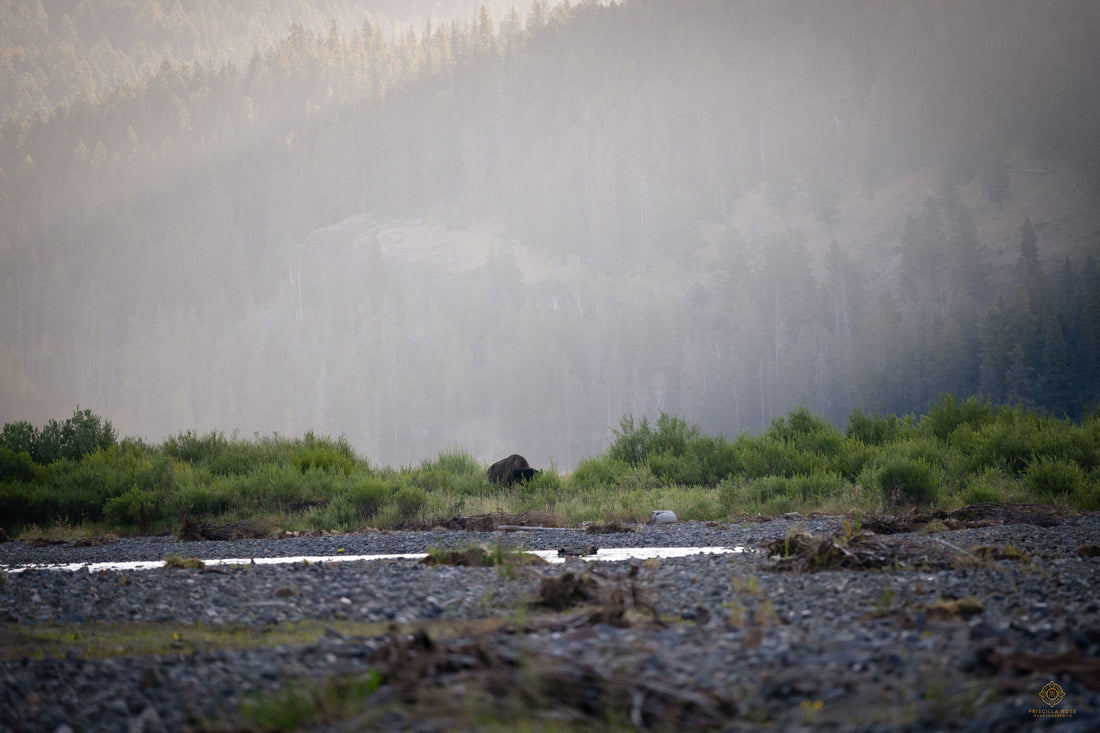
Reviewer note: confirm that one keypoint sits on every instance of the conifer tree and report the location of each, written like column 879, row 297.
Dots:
column 1054, row 379
column 994, row 359
column 1088, row 366
column 1027, row 260
column 1018, row 376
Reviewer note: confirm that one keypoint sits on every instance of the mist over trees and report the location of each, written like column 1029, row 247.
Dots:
column 506, row 228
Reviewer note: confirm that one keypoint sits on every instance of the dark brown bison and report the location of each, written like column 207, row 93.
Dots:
column 510, row 470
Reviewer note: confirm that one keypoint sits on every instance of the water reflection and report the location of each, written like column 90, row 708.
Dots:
column 603, row 554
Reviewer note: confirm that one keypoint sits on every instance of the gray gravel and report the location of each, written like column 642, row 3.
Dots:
column 685, row 534
column 837, row 650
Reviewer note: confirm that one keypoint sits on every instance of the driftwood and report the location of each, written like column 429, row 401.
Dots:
column 804, row 553
column 985, row 514
column 193, row 529
column 1069, row 664
column 610, row 528
column 490, row 522
column 416, row 665
column 96, row 540
column 42, row 541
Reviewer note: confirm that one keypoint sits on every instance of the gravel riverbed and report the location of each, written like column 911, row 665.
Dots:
column 723, row 642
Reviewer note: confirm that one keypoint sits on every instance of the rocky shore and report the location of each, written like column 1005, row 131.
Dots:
column 959, row 629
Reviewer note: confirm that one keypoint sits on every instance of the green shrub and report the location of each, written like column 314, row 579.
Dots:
column 339, row 514
column 907, row 480
column 673, row 435
column 279, row 487
column 1055, row 480
column 434, row 479
column 323, row 453
column 705, row 461
column 636, row 478
column 694, row 503
column 876, row 430
column 964, row 451
column 1089, row 499
column 675, row 452
column 982, row 493
column 547, row 479
column 239, row 457
column 634, row 443
column 190, row 448
column 17, row 466
column 457, row 461
column 670, row 469
column 807, row 432
column 816, row 488
column 591, row 473
column 967, row 441
column 17, row 504
column 780, row 494
column 19, row 437
column 730, row 498
column 947, row 414
column 77, row 490
column 1006, row 444
column 409, row 500
column 155, row 474
column 953, row 466
column 322, row 458
column 991, row 485
column 631, row 441
column 770, row 455
column 453, row 470
column 134, row 508
column 1059, row 439
column 767, row 495
column 852, row 459
column 367, row 496
column 928, row 450
column 976, row 412
column 48, row 446
column 543, row 490
column 715, row 457
column 801, row 421
column 799, row 444
column 756, row 490
column 203, row 498
column 83, row 433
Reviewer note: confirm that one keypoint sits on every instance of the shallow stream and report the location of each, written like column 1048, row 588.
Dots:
column 553, row 556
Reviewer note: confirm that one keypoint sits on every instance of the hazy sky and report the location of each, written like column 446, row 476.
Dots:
column 509, row 243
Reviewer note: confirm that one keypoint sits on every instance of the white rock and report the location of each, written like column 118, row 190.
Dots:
column 662, row 516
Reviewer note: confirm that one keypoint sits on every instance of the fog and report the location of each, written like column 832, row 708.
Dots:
column 434, row 225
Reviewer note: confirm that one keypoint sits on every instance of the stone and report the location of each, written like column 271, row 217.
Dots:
column 662, row 516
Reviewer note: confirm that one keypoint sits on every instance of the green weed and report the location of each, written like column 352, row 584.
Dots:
column 298, row 704
column 182, row 563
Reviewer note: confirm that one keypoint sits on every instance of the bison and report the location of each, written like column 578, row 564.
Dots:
column 511, row 470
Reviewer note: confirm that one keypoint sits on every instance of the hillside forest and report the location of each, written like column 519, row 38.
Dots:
column 422, row 225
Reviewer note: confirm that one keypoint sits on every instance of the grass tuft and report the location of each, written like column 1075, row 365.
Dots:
column 183, row 563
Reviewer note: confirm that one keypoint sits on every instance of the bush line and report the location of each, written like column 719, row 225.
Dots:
column 76, row 473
